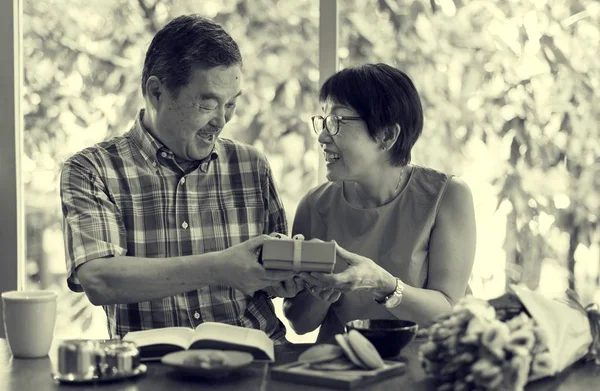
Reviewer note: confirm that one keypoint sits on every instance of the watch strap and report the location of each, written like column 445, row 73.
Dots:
column 386, row 298
column 397, row 294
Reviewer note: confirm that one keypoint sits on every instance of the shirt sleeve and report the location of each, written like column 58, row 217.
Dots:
column 275, row 218
column 92, row 225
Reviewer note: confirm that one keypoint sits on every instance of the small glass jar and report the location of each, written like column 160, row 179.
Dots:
column 77, row 360
column 117, row 358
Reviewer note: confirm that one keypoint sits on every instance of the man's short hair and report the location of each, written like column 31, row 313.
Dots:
column 382, row 96
column 186, row 43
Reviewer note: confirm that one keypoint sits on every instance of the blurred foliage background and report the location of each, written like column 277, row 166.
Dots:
column 510, row 92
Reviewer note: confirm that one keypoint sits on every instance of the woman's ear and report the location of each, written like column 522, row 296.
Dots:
column 389, row 136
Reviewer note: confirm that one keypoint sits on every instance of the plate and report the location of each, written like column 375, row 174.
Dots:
column 208, row 363
column 140, row 370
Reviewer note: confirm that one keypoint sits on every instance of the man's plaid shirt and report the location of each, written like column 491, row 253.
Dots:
column 128, row 196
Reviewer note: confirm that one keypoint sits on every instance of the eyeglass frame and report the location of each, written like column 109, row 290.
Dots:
column 338, row 118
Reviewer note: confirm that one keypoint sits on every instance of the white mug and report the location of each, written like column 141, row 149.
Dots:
column 29, row 319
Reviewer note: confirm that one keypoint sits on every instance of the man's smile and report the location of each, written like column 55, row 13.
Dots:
column 208, row 138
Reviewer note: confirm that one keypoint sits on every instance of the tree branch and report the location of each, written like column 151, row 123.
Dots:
column 149, row 13
column 394, row 17
column 69, row 44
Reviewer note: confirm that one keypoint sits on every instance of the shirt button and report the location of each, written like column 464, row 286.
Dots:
column 163, row 154
column 196, row 315
column 154, row 164
column 182, row 181
column 184, row 225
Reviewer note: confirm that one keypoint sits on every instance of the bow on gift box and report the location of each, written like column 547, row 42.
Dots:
column 592, row 311
column 297, row 254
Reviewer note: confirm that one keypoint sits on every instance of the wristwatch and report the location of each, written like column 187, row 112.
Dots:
column 395, row 298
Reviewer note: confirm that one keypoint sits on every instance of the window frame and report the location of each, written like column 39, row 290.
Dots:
column 12, row 216
column 12, row 221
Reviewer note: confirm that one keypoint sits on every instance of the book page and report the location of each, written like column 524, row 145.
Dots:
column 235, row 335
column 179, row 336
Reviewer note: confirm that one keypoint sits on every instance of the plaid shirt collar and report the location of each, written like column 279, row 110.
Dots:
column 155, row 150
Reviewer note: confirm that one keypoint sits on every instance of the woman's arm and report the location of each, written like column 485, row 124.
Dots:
column 451, row 256
column 305, row 312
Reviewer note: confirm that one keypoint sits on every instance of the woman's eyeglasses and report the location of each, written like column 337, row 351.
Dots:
column 331, row 123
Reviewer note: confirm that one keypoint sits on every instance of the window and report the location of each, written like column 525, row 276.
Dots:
column 509, row 109
column 82, row 66
column 10, row 120
column 506, row 107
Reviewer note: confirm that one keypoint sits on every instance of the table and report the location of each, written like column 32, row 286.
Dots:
column 35, row 374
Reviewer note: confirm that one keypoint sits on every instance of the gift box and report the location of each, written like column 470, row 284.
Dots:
column 298, row 255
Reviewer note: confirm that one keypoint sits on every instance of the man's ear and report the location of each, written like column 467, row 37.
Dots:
column 389, row 136
column 154, row 91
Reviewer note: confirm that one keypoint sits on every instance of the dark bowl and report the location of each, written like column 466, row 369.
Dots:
column 389, row 336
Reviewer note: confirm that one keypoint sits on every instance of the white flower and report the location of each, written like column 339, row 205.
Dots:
column 495, row 337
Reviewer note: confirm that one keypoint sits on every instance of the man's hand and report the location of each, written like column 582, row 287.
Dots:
column 238, row 267
column 287, row 288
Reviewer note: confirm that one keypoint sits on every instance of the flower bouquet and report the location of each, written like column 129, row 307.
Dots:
column 504, row 343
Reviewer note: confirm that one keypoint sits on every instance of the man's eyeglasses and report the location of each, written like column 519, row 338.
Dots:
column 331, row 123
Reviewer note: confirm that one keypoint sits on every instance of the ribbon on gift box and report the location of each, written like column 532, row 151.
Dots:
column 297, row 252
column 297, row 256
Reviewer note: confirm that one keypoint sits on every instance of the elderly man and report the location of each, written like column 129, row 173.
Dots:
column 163, row 224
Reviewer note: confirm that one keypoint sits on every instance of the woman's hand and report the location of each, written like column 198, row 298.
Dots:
column 328, row 295
column 287, row 288
column 361, row 273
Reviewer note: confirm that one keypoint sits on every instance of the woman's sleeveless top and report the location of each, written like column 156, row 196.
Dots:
column 395, row 236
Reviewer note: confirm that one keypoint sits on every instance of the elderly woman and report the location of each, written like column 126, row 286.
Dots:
column 405, row 234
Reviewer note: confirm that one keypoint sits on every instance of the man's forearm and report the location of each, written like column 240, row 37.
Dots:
column 124, row 279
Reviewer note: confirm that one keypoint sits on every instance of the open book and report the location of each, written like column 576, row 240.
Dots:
column 155, row 343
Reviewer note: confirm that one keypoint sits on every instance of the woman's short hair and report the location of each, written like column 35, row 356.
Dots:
column 186, row 43
column 382, row 96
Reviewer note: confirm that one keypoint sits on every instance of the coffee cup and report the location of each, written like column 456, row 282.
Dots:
column 29, row 319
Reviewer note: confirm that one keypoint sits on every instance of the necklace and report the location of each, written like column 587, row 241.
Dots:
column 394, row 193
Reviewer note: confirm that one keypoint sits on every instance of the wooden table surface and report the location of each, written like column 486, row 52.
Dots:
column 35, row 374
